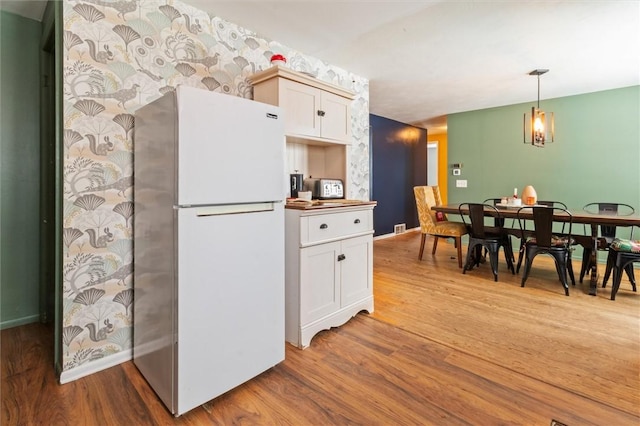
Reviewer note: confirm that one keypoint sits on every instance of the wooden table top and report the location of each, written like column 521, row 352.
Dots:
column 579, row 216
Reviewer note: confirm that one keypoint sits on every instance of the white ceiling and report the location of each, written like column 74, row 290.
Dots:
column 429, row 58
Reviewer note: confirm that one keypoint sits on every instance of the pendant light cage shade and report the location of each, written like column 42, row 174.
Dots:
column 539, row 126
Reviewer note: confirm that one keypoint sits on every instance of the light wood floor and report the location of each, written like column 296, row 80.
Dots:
column 442, row 348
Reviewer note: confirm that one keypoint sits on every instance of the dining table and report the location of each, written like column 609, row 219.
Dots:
column 578, row 216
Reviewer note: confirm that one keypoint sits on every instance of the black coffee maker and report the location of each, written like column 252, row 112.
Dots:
column 295, row 184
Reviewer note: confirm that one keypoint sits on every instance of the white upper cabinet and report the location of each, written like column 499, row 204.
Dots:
column 314, row 110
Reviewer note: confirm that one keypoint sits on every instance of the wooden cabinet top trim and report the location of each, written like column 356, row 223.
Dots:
column 282, row 72
column 331, row 206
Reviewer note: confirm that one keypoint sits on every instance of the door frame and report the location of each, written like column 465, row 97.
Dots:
column 51, row 166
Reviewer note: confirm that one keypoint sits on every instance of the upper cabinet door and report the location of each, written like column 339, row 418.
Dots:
column 336, row 117
column 301, row 104
column 316, row 111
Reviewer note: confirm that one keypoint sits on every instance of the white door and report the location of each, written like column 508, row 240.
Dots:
column 230, row 149
column 230, row 300
column 432, row 164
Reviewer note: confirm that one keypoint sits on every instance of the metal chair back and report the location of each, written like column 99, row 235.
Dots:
column 476, row 212
column 614, row 209
column 543, row 221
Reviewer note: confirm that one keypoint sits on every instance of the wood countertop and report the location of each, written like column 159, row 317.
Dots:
column 326, row 204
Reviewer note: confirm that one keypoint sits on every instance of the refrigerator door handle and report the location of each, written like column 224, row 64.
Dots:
column 234, row 209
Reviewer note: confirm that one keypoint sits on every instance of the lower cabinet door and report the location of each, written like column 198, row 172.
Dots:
column 356, row 279
column 319, row 281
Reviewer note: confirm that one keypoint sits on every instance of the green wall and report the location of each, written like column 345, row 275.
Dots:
column 19, row 169
column 595, row 157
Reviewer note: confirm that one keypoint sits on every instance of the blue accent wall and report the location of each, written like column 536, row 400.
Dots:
column 399, row 162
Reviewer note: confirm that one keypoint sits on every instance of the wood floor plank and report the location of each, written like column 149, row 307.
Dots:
column 440, row 348
column 540, row 397
column 472, row 396
column 521, row 327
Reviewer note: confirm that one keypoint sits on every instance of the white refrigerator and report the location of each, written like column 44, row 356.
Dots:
column 209, row 189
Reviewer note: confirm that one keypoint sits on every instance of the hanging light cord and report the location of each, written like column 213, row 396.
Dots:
column 538, row 91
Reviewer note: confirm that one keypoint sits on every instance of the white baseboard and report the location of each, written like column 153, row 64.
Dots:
column 382, row 237
column 95, row 366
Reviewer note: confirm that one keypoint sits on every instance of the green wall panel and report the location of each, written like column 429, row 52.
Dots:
column 19, row 169
column 596, row 156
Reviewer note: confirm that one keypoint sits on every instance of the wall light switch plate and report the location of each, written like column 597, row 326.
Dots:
column 456, row 172
column 461, row 183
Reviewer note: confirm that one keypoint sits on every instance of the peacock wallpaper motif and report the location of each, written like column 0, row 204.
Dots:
column 118, row 56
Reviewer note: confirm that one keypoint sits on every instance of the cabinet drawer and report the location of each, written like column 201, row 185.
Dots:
column 335, row 225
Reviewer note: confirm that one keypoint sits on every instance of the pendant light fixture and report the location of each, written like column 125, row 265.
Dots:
column 539, row 126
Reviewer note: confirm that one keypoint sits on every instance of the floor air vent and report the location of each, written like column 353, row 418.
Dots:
column 400, row 228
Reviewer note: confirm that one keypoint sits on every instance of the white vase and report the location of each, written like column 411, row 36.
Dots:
column 529, row 196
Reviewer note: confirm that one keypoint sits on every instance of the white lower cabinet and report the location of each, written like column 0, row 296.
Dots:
column 329, row 268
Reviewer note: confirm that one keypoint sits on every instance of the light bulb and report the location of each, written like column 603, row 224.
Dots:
column 537, row 125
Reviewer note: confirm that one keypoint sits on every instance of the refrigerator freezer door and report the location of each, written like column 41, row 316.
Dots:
column 230, row 149
column 230, row 300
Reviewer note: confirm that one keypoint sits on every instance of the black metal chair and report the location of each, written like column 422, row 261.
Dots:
column 489, row 237
column 622, row 254
column 500, row 222
column 542, row 240
column 495, row 202
column 607, row 233
column 558, row 204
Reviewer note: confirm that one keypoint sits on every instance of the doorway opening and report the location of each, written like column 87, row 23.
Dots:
column 432, row 163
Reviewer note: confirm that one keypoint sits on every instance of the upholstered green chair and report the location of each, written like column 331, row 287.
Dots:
column 622, row 254
column 434, row 223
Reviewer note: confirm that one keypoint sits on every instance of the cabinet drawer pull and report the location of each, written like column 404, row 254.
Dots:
column 324, row 226
column 321, row 113
column 341, row 257
column 356, row 221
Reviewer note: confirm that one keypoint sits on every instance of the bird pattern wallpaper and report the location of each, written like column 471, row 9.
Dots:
column 118, row 56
